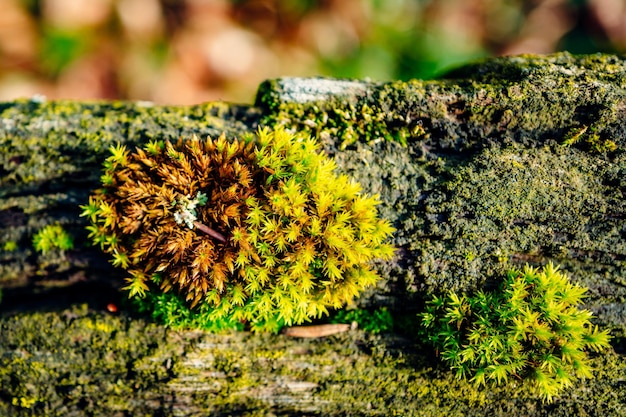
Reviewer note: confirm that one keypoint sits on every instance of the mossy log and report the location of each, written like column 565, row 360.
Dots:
column 510, row 161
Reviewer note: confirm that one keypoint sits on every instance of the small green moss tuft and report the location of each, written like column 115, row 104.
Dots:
column 259, row 231
column 531, row 329
column 50, row 237
column 171, row 310
column 10, row 246
column 373, row 321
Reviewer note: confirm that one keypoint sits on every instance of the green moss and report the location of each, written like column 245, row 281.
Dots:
column 171, row 310
column 356, row 374
column 260, row 231
column 324, row 115
column 589, row 139
column 79, row 360
column 530, row 328
column 374, row 321
column 9, row 246
column 92, row 363
column 50, row 237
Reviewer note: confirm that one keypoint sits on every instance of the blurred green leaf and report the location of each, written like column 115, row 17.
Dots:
column 60, row 48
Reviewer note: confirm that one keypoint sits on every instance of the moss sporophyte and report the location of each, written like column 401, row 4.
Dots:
column 531, row 330
column 259, row 230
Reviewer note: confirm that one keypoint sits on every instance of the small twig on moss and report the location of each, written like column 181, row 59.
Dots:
column 206, row 229
column 320, row 330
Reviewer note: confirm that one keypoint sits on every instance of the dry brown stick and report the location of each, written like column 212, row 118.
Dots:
column 319, row 330
column 214, row 234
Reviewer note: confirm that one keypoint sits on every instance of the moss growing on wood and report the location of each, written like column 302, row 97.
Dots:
column 493, row 117
column 52, row 237
column 94, row 363
column 261, row 231
column 60, row 141
column 524, row 99
column 447, row 128
column 516, row 203
column 54, row 363
column 529, row 330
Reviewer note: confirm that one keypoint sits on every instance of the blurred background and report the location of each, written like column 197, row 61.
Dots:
column 193, row 51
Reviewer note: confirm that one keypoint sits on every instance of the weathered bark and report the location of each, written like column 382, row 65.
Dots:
column 511, row 161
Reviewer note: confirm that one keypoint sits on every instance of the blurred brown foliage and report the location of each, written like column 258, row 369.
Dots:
column 191, row 51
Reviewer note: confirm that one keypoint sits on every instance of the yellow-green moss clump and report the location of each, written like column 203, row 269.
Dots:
column 531, row 330
column 52, row 236
column 259, row 230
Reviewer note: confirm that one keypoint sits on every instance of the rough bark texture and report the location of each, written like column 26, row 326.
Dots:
column 511, row 161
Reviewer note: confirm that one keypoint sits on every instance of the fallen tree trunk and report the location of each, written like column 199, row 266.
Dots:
column 512, row 161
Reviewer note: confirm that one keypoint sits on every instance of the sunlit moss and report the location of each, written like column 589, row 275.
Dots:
column 9, row 246
column 531, row 329
column 260, row 230
column 52, row 236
